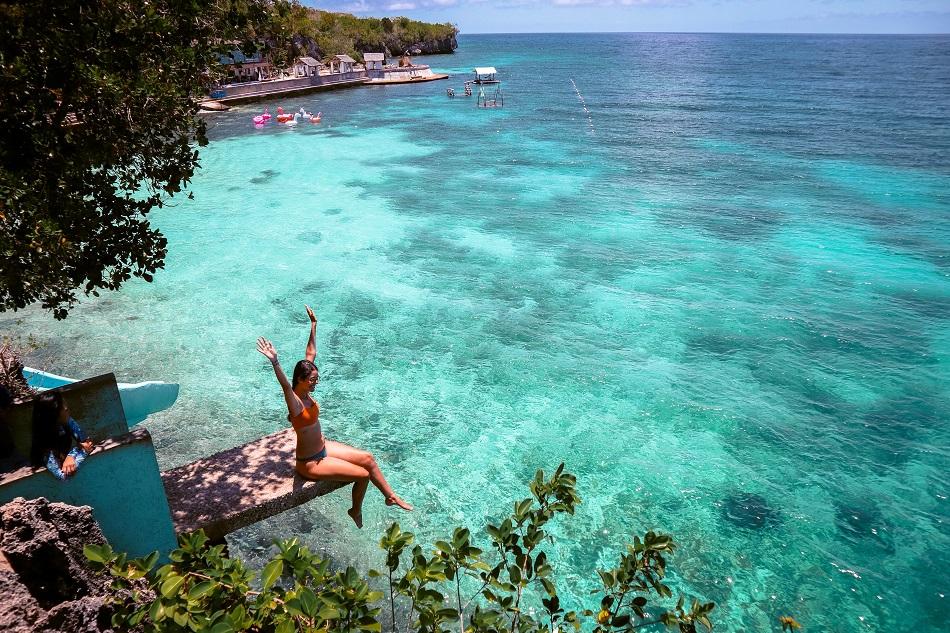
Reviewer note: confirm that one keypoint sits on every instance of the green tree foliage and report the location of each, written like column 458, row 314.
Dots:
column 509, row 586
column 290, row 29
column 98, row 129
column 98, row 124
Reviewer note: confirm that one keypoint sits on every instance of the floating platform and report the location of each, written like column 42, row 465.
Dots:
column 240, row 486
column 485, row 75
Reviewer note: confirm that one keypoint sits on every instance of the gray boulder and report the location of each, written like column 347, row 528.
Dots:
column 44, row 580
column 19, row 611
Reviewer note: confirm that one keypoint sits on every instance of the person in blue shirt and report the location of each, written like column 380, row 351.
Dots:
column 58, row 442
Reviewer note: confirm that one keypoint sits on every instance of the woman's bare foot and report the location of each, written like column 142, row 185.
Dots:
column 356, row 516
column 396, row 501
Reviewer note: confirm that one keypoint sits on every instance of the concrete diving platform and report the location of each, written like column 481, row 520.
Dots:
column 240, row 486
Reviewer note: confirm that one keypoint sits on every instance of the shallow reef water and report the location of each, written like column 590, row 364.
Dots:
column 722, row 300
column 749, row 510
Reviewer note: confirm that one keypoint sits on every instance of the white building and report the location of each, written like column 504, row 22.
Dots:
column 342, row 64
column 374, row 63
column 307, row 67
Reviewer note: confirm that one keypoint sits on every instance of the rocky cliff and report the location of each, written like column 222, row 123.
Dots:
column 45, row 585
column 302, row 30
column 431, row 47
column 393, row 47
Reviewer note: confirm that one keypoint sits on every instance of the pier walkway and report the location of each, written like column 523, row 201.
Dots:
column 252, row 91
column 240, row 486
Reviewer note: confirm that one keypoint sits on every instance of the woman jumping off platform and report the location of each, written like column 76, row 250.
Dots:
column 318, row 458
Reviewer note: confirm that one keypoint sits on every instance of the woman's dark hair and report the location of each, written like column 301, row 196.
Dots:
column 302, row 371
column 46, row 435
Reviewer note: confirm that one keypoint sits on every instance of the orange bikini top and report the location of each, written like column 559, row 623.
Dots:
column 307, row 417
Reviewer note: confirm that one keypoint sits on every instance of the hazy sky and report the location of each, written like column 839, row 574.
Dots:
column 757, row 16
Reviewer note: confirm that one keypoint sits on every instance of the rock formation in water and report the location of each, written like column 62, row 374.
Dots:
column 45, row 583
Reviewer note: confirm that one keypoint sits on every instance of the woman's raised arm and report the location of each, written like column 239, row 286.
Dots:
column 312, row 343
column 294, row 405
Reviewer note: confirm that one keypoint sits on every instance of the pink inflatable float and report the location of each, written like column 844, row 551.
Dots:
column 261, row 119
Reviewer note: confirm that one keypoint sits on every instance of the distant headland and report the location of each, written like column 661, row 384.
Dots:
column 305, row 31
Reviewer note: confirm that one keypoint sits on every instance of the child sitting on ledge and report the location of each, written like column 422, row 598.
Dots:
column 54, row 431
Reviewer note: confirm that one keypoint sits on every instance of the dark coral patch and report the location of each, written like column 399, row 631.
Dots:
column 749, row 510
column 859, row 521
column 313, row 237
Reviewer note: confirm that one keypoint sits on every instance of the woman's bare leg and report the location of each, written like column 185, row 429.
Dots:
column 365, row 459
column 334, row 469
column 356, row 511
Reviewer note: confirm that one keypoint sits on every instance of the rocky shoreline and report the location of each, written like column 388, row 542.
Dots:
column 46, row 585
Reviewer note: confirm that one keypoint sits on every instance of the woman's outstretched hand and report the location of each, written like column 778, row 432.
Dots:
column 313, row 317
column 266, row 348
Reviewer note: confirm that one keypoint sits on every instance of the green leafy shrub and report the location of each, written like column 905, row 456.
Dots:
column 508, row 587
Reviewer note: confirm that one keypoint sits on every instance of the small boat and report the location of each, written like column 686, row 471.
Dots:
column 293, row 120
column 316, row 118
column 139, row 399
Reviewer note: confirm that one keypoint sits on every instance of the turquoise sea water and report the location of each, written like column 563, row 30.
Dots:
column 722, row 298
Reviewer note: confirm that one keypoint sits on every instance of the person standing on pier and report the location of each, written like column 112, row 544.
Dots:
column 318, row 458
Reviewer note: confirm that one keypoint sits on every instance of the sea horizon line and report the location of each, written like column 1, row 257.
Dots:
column 810, row 33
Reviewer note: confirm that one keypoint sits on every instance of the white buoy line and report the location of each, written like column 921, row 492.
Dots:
column 580, row 98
